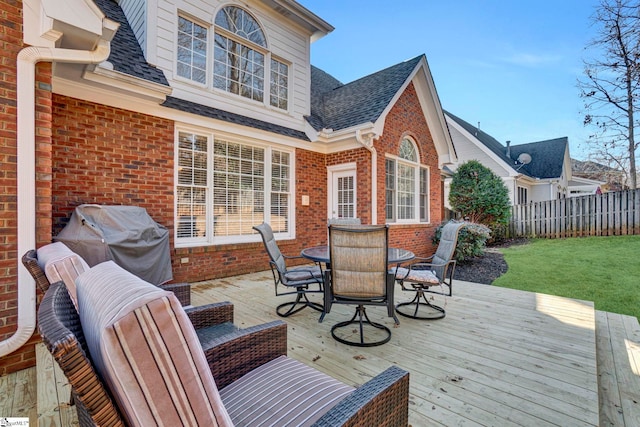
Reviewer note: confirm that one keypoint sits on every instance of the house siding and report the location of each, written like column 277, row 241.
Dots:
column 135, row 11
column 468, row 151
column 289, row 43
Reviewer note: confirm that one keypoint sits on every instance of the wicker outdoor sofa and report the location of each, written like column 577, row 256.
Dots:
column 235, row 362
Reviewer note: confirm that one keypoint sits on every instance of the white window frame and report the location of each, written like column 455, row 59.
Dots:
column 207, row 76
column 209, row 238
column 212, row 30
column 417, row 168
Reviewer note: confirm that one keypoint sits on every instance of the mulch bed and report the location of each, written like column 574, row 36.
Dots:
column 485, row 269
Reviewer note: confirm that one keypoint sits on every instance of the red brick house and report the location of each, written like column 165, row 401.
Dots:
column 213, row 120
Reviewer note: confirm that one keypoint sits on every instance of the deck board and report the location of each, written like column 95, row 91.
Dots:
column 619, row 369
column 500, row 357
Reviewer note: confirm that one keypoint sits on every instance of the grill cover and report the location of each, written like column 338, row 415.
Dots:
column 125, row 234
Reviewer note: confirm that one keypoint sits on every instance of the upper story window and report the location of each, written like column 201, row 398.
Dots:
column 406, row 186
column 192, row 51
column 242, row 63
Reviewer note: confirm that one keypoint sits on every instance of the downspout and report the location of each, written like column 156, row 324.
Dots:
column 366, row 139
column 26, row 184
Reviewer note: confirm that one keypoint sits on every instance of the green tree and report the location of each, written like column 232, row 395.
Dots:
column 479, row 195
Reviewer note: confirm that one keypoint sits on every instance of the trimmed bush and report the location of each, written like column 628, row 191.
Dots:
column 480, row 196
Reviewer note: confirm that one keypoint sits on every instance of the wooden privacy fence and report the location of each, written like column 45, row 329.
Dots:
column 608, row 214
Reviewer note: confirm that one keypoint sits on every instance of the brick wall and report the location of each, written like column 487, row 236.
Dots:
column 406, row 118
column 107, row 155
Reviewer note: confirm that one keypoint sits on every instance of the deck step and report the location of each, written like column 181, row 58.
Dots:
column 618, row 345
column 54, row 392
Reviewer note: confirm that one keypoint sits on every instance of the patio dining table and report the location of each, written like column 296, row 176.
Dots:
column 321, row 254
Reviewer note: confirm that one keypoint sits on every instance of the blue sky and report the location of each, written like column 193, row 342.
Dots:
column 511, row 65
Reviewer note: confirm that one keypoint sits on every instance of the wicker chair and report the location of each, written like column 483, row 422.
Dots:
column 30, row 261
column 425, row 274
column 359, row 276
column 382, row 401
column 295, row 280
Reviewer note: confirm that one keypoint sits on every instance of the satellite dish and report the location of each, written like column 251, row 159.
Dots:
column 524, row 158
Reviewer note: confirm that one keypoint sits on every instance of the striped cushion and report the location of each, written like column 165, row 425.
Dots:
column 283, row 392
column 59, row 263
column 419, row 276
column 144, row 346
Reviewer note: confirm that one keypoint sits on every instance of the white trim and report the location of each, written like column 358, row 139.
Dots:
column 212, row 135
column 343, row 167
column 26, row 182
column 475, row 141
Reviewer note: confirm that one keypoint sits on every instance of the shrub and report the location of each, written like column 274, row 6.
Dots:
column 472, row 239
column 480, row 196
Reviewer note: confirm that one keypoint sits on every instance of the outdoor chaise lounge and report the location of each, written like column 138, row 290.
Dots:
column 134, row 359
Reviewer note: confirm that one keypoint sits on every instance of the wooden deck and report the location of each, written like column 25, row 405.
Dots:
column 500, row 357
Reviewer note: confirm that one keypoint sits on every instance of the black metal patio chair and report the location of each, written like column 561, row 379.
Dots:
column 296, row 281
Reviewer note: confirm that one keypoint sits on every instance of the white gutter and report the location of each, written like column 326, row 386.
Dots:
column 366, row 139
column 27, row 60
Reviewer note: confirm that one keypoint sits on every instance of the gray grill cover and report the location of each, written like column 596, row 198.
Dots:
column 125, row 234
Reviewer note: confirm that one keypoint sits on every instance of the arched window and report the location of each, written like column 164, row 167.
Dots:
column 242, row 63
column 238, row 61
column 406, row 186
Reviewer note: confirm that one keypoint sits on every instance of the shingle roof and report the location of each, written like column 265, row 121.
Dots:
column 339, row 106
column 216, row 113
column 126, row 54
column 490, row 142
column 547, row 157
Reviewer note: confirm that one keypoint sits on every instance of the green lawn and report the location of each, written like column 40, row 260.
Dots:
column 605, row 270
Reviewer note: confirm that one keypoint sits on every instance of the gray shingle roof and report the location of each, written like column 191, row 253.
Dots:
column 216, row 113
column 339, row 106
column 126, row 54
column 547, row 157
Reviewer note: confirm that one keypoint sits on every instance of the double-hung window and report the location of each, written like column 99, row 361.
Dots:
column 406, row 186
column 242, row 63
column 226, row 187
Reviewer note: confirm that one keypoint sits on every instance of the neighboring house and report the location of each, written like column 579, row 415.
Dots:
column 209, row 115
column 532, row 172
column 592, row 173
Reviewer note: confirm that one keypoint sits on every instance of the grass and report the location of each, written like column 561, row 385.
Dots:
column 605, row 270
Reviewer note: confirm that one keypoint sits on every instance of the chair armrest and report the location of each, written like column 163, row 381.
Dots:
column 381, row 401
column 234, row 354
column 210, row 314
column 181, row 290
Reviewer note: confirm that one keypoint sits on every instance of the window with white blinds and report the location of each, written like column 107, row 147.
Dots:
column 225, row 187
column 406, row 186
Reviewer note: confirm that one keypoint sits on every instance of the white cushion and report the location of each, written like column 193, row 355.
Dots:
column 60, row 263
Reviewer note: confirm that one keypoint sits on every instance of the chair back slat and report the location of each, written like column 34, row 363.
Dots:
column 271, row 246
column 446, row 247
column 358, row 260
